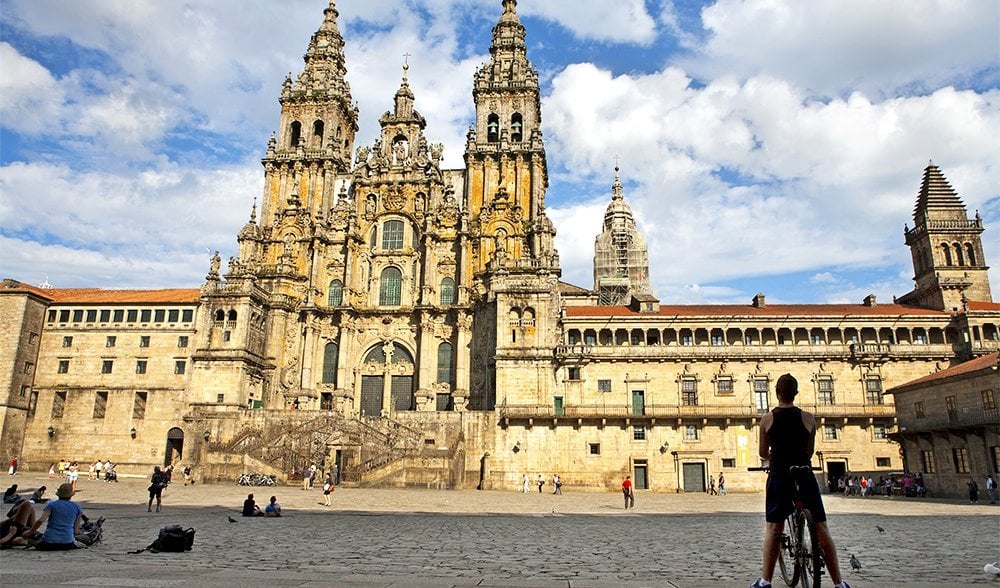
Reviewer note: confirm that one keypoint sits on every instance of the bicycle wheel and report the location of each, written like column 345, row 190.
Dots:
column 811, row 556
column 788, row 549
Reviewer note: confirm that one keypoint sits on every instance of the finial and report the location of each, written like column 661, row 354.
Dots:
column 406, row 66
column 253, row 211
column 509, row 6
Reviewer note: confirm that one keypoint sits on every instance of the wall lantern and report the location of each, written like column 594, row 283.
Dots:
column 207, row 434
column 665, row 447
column 517, row 447
column 52, row 432
column 132, row 433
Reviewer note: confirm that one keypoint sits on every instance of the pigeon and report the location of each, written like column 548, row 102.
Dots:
column 992, row 570
column 855, row 564
column 231, row 519
column 880, row 529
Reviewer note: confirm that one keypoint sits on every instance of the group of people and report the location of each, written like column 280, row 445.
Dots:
column 556, row 484
column 719, row 490
column 309, row 475
column 71, row 471
column 911, row 485
column 991, row 489
column 250, row 508
column 66, row 525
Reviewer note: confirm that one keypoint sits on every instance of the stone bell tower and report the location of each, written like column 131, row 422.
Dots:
column 949, row 263
column 511, row 262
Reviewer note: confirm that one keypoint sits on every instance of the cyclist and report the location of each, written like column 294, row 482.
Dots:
column 788, row 438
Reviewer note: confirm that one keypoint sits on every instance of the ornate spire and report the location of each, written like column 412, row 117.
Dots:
column 936, row 198
column 325, row 63
column 617, row 191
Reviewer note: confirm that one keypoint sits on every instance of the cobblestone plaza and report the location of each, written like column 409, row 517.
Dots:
column 391, row 537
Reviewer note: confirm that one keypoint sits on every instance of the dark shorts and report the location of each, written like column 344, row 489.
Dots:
column 43, row 546
column 780, row 490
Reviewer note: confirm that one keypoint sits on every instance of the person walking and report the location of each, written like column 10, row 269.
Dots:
column 13, row 466
column 991, row 488
column 328, row 489
column 541, row 482
column 973, row 491
column 525, row 484
column 788, row 438
column 156, row 484
column 711, row 487
column 306, row 473
column 722, row 485
column 557, row 484
column 629, row 492
column 72, row 473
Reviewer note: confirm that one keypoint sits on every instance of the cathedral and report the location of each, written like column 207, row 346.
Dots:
column 407, row 323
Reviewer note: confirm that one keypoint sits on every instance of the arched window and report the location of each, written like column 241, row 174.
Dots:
column 335, row 295
column 493, row 128
column 959, row 258
column 516, row 128
column 330, row 353
column 390, row 287
column 947, row 253
column 970, row 254
column 392, row 234
column 232, row 315
column 220, row 315
column 447, row 291
column 296, row 134
column 318, row 133
column 445, row 361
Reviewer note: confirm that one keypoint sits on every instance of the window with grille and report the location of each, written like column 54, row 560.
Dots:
column 829, row 433
column 100, row 405
column 58, row 404
column 32, row 404
column 989, row 403
column 392, row 234
column 180, row 366
column 63, row 366
column 144, row 341
column 594, row 448
column 335, row 293
column 447, row 291
column 107, row 365
column 445, row 363
column 960, row 455
column 927, row 461
column 689, row 392
column 873, row 387
column 883, row 462
column 825, row 391
column 880, row 432
column 67, row 342
column 182, row 341
column 760, row 386
column 139, row 406
column 724, row 386
column 390, row 287
column 949, row 404
column 140, row 366
column 331, row 355
column 729, row 462
column 918, row 409
column 639, row 433
column 604, row 385
column 691, row 433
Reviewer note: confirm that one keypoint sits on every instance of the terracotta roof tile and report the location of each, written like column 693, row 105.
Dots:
column 102, row 296
column 747, row 310
column 978, row 305
column 971, row 366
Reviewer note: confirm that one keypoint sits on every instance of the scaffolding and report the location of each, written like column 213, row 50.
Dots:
column 621, row 260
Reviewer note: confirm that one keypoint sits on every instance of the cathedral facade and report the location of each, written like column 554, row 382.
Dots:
column 408, row 323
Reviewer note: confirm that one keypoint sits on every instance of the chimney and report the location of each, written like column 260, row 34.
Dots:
column 870, row 300
column 758, row 300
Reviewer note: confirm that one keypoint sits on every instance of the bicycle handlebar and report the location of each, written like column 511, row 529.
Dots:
column 768, row 468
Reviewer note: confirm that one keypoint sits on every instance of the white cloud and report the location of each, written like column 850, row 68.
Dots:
column 29, row 96
column 622, row 21
column 837, row 46
column 755, row 178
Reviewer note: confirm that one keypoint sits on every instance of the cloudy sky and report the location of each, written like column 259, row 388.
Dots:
column 771, row 146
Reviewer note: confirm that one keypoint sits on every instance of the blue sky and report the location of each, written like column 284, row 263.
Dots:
column 771, row 146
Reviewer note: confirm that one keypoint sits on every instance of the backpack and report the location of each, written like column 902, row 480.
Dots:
column 173, row 538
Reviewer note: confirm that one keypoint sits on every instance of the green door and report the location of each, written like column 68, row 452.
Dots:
column 694, row 477
column 638, row 402
column 560, row 410
column 641, row 477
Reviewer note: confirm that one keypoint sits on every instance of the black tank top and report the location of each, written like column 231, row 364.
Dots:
column 789, row 439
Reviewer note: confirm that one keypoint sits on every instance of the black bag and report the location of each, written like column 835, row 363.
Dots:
column 173, row 538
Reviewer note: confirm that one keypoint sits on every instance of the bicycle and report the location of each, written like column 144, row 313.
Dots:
column 799, row 555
